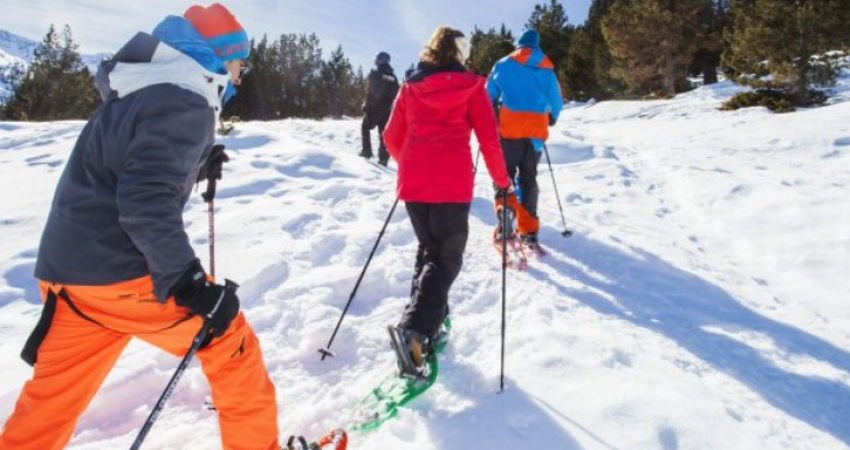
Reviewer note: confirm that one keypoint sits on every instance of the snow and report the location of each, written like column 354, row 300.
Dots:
column 701, row 303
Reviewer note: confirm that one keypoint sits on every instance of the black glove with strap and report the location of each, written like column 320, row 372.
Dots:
column 211, row 169
column 501, row 193
column 216, row 304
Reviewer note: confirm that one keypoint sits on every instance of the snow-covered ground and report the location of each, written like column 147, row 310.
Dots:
column 701, row 303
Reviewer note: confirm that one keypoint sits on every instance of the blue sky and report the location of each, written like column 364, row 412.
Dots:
column 362, row 27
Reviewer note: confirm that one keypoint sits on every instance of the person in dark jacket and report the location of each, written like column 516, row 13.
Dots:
column 428, row 135
column 525, row 88
column 115, row 262
column 383, row 86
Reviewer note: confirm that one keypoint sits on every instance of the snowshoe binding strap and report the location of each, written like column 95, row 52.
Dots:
column 338, row 438
column 297, row 443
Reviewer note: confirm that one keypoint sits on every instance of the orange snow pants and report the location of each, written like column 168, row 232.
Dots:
column 526, row 223
column 81, row 347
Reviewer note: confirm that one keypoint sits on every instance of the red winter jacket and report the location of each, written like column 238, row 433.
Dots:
column 429, row 130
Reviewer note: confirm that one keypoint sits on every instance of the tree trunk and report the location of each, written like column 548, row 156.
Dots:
column 709, row 74
column 669, row 77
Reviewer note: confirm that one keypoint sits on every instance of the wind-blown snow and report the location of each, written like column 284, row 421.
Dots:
column 701, row 303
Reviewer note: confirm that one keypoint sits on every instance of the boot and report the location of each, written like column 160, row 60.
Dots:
column 412, row 350
column 531, row 244
column 497, row 233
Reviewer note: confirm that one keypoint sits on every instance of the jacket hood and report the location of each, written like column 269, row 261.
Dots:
column 443, row 87
column 532, row 57
column 179, row 33
column 145, row 61
column 529, row 38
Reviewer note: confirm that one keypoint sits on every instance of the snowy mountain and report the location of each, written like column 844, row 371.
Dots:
column 16, row 53
column 701, row 303
column 15, row 46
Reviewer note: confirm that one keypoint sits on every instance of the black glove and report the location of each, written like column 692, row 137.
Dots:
column 552, row 120
column 216, row 304
column 500, row 192
column 211, row 168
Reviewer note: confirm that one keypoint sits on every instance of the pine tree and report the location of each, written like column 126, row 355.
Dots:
column 488, row 48
column 653, row 42
column 579, row 78
column 603, row 61
column 552, row 23
column 343, row 90
column 57, row 85
column 707, row 58
column 290, row 79
column 588, row 70
column 359, row 85
column 780, row 37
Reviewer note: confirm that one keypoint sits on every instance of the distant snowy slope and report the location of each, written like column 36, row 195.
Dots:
column 701, row 303
column 15, row 54
column 16, row 46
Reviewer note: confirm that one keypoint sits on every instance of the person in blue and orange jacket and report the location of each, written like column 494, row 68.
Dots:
column 115, row 262
column 525, row 88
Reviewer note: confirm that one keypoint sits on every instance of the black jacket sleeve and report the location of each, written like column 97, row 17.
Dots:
column 372, row 91
column 160, row 167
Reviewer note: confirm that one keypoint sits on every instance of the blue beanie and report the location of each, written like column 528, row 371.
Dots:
column 529, row 38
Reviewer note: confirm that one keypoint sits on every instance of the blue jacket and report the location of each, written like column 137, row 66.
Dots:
column 525, row 84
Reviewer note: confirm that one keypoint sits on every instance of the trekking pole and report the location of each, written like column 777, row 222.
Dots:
column 160, row 404
column 567, row 232
column 504, row 281
column 211, row 222
column 196, row 342
column 475, row 167
column 326, row 351
column 169, row 389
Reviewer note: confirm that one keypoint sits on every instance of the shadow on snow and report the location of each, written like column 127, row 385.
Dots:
column 655, row 295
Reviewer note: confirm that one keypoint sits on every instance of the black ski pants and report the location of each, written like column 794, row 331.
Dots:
column 522, row 159
column 442, row 230
column 372, row 119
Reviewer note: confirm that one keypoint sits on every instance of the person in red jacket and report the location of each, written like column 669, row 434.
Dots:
column 428, row 135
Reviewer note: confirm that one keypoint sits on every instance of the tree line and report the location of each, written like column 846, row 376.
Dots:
column 289, row 79
column 625, row 49
column 642, row 48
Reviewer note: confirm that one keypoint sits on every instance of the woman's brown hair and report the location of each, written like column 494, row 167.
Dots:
column 442, row 48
